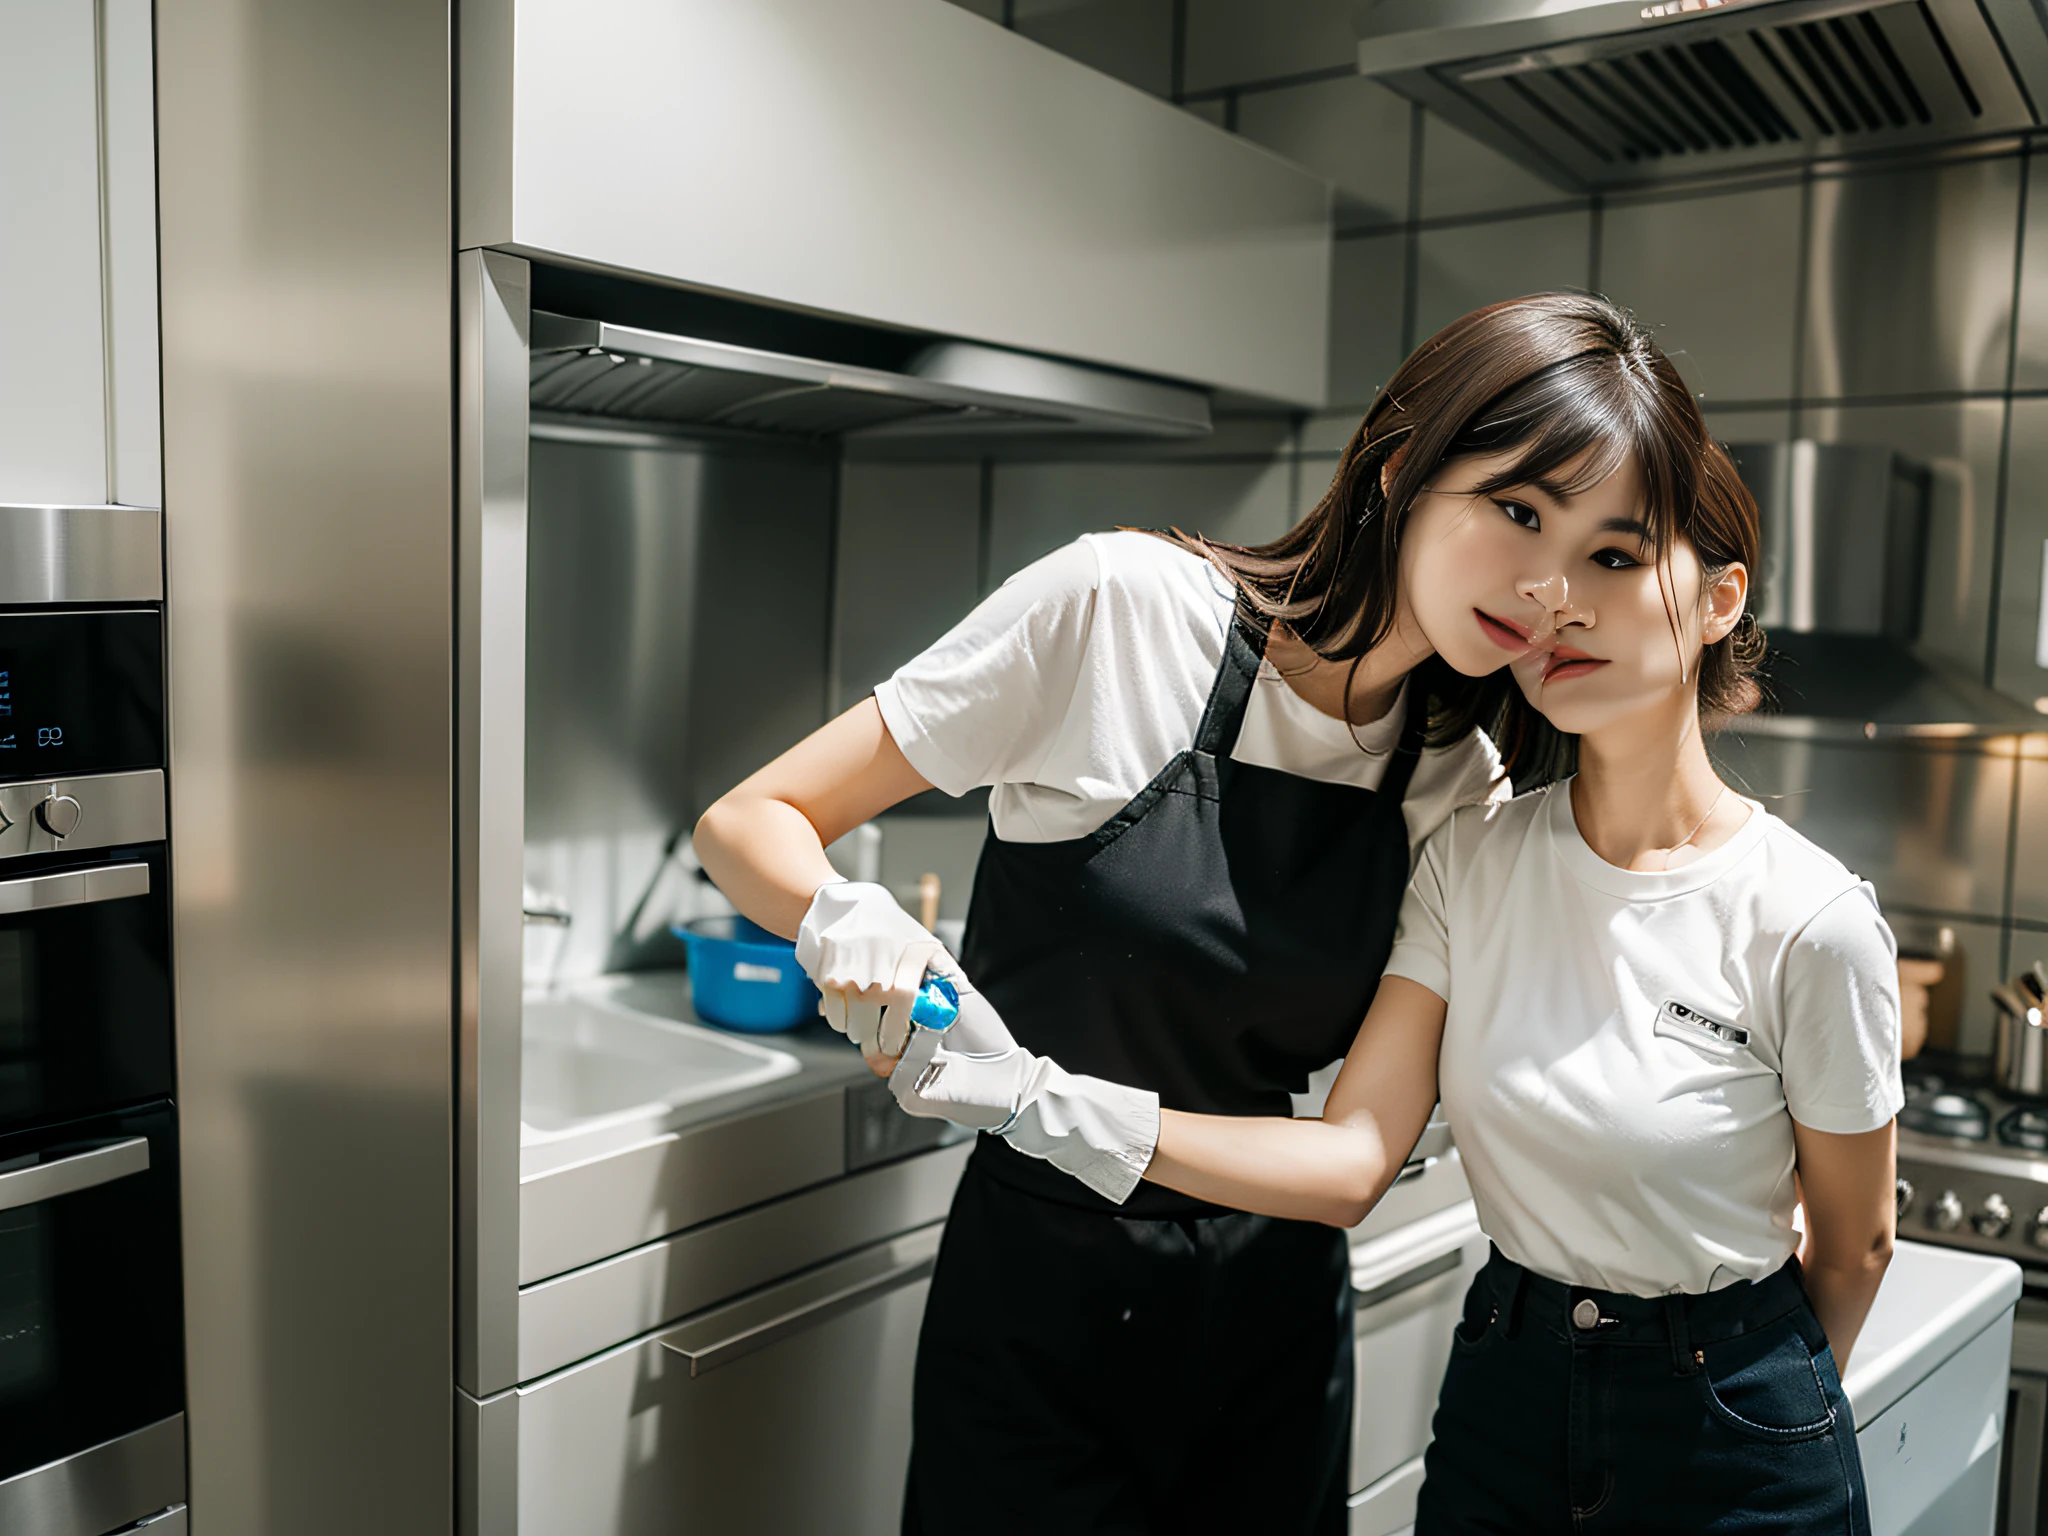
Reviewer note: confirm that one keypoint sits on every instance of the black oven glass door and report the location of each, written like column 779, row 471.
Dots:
column 85, row 987
column 91, row 1322
column 80, row 693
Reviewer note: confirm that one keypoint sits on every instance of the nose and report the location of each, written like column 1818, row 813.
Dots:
column 1553, row 595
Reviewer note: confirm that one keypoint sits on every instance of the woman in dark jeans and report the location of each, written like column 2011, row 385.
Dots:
column 1657, row 1018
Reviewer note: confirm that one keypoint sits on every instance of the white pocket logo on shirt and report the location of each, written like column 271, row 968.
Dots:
column 1675, row 1021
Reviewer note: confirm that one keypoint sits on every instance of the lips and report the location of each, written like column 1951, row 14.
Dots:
column 1505, row 633
column 1564, row 663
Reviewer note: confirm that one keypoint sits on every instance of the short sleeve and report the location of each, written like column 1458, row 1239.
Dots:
column 1840, row 1056
column 1422, row 942
column 983, row 703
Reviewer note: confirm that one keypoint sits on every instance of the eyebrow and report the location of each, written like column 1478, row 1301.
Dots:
column 1632, row 525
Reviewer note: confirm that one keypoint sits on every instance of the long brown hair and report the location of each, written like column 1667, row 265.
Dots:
column 1577, row 386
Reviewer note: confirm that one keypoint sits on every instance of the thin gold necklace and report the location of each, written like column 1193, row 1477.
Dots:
column 1712, row 806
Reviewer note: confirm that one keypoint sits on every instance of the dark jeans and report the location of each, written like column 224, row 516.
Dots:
column 1678, row 1414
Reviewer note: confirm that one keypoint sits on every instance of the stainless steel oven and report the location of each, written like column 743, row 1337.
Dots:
column 92, row 1373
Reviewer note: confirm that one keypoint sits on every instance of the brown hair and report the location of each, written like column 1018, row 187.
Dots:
column 1574, row 383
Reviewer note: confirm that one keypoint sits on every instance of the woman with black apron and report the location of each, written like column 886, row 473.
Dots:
column 1209, row 768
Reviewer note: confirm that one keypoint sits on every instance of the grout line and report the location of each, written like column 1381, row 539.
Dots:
column 1230, row 113
column 1272, row 83
column 1010, row 14
column 1177, row 69
column 2012, row 854
column 985, row 520
column 1595, row 232
column 2012, row 361
column 1411, row 273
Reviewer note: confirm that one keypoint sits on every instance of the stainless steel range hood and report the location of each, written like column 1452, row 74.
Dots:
column 588, row 368
column 1846, row 533
column 1609, row 93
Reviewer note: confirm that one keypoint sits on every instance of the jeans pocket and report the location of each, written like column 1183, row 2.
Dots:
column 1479, row 1325
column 1766, row 1386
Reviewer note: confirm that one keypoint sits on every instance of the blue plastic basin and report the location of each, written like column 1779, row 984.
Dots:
column 744, row 977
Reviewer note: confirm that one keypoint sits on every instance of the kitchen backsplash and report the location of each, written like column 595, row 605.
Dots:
column 1896, row 303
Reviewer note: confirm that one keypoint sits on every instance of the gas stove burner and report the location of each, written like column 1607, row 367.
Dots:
column 1955, row 1115
column 2026, row 1128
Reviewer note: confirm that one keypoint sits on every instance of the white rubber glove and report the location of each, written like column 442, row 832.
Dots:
column 975, row 1074
column 855, row 938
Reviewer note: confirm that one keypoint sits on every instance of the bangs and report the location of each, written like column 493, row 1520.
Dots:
column 1573, row 424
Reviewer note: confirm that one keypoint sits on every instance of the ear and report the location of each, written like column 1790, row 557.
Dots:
column 1726, row 598
column 1387, row 469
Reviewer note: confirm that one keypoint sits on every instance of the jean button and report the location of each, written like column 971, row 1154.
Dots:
column 1586, row 1315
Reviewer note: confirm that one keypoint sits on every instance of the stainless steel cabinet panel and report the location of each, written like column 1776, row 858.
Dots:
column 1129, row 39
column 1925, row 824
column 1717, row 277
column 2030, row 368
column 1469, row 265
column 1230, row 42
column 904, row 529
column 2022, row 600
column 1909, row 279
column 1404, row 1343
column 1352, row 130
column 1460, row 175
column 1367, row 278
column 1959, row 445
column 53, row 413
column 807, row 1435
column 2030, row 869
column 1039, row 507
column 128, row 107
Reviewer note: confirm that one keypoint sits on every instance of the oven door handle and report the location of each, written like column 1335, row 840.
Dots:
column 68, row 1175
column 73, row 888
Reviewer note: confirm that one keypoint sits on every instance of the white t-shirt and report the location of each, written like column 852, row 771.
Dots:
column 1070, row 686
column 1624, row 1053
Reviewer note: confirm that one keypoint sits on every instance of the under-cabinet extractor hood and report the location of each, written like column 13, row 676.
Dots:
column 588, row 368
column 1605, row 93
column 1850, row 536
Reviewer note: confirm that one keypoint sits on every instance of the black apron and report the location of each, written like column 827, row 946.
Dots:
column 1165, row 1365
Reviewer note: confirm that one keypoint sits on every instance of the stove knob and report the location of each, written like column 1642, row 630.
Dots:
column 1993, row 1217
column 1904, row 1194
column 58, row 815
column 1946, row 1214
column 2037, row 1229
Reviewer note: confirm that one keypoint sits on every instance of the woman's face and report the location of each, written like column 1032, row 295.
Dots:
column 1562, row 587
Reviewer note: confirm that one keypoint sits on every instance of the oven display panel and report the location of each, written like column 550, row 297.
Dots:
column 80, row 693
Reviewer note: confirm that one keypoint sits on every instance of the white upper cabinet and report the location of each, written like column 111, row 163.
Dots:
column 896, row 161
column 78, row 322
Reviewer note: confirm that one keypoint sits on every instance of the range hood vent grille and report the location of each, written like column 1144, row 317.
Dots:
column 589, row 369
column 1726, row 89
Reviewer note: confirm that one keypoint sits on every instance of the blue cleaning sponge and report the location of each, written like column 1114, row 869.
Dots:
column 937, row 1003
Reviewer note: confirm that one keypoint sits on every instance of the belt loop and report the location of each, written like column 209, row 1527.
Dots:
column 1681, row 1339
column 1518, row 1283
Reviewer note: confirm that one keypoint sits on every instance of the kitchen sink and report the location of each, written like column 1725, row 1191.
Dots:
column 590, row 1062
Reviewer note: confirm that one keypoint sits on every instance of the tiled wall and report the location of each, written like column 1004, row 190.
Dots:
column 1899, row 304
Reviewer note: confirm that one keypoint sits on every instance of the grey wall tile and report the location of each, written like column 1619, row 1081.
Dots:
column 1130, row 39
column 2030, row 368
column 1232, row 41
column 1959, row 443
column 1330, row 431
column 909, row 555
column 1460, row 175
column 2030, row 870
column 1212, row 111
column 946, row 846
column 1352, row 130
column 1979, row 951
column 1039, row 507
column 1910, row 279
column 2020, row 594
column 1718, row 278
column 1313, row 473
column 1365, row 317
column 1748, row 426
column 1467, row 265
column 1924, row 824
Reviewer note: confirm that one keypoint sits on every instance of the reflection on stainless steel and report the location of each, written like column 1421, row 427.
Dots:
column 112, row 809
column 68, row 1175
column 308, row 351
column 81, row 555
column 74, row 888
column 589, row 1309
column 2019, row 1047
column 1847, row 544
column 589, row 368
column 819, row 1418
column 1608, row 94
column 1943, row 284
column 101, row 1488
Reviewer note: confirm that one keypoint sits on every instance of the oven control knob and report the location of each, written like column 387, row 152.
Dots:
column 1904, row 1194
column 1993, row 1218
column 2037, row 1229
column 58, row 815
column 1946, row 1214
